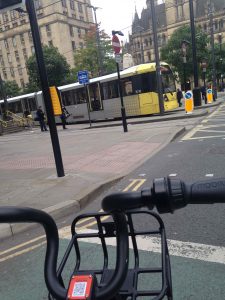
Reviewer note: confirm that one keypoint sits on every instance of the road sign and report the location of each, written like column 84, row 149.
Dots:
column 83, row 77
column 118, row 58
column 11, row 4
column 116, row 44
column 189, row 104
column 209, row 96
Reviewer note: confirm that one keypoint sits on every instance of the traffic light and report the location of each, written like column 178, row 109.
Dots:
column 11, row 4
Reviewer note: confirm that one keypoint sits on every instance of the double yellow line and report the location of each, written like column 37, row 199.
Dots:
column 15, row 251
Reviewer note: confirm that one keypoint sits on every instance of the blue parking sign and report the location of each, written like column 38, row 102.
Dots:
column 83, row 77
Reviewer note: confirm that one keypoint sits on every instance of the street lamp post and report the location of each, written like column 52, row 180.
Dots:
column 157, row 62
column 212, row 49
column 196, row 89
column 117, row 48
column 98, row 40
column 184, row 45
column 203, row 66
column 221, row 59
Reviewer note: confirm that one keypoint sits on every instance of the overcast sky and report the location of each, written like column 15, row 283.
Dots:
column 117, row 14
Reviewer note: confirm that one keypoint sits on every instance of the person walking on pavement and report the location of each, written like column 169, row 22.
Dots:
column 64, row 116
column 179, row 96
column 41, row 118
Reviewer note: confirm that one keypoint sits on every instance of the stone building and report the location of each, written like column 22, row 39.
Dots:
column 62, row 24
column 170, row 15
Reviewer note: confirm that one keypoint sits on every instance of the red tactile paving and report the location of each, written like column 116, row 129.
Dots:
column 114, row 159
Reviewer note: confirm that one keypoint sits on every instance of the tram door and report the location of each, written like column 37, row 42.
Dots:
column 95, row 99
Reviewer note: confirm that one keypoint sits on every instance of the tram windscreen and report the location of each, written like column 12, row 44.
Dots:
column 168, row 81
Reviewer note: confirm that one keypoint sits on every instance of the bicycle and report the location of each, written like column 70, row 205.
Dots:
column 166, row 195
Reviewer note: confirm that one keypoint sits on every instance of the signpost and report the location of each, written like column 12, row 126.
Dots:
column 83, row 78
column 13, row 4
column 209, row 96
column 189, row 103
column 117, row 48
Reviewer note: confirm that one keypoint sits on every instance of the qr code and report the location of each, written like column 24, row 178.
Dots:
column 79, row 289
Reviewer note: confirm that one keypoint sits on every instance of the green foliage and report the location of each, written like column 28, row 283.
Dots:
column 172, row 52
column 56, row 65
column 87, row 58
column 11, row 89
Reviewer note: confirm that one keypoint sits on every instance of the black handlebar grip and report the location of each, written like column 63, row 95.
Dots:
column 206, row 191
column 125, row 201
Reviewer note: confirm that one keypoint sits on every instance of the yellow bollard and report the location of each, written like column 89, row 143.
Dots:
column 209, row 96
column 189, row 103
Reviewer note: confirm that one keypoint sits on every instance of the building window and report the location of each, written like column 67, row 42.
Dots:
column 4, row 73
column 72, row 6
column 149, row 56
column 20, row 70
column 50, row 43
column 23, row 21
column 81, row 18
column 5, row 17
column 80, row 7
column 22, row 83
column 25, row 54
column 30, row 36
column 15, row 24
column 48, row 30
column 73, row 45
column 7, row 27
column 9, row 58
column 179, row 9
column 32, row 50
column 63, row 3
column 37, row 4
column 17, row 56
column 74, row 16
column 79, row 32
column 12, row 72
column 2, row 61
column 22, row 39
column 71, row 30
column 81, row 45
column 14, row 41
column 6, row 44
column 13, row 14
column 205, row 27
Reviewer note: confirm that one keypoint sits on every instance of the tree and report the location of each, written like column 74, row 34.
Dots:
column 172, row 52
column 56, row 65
column 11, row 89
column 87, row 58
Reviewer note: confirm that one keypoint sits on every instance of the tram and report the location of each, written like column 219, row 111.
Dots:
column 100, row 98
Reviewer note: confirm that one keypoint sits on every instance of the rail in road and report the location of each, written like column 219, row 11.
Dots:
column 197, row 269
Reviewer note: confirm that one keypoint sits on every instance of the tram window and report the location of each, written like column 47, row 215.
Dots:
column 110, row 90
column 15, row 107
column 127, row 87
column 168, row 81
column 95, row 97
column 144, row 83
column 33, row 104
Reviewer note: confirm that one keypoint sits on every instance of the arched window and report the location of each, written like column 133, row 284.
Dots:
column 146, row 43
column 149, row 56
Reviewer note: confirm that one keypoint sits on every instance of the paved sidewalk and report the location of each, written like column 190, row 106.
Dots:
column 93, row 159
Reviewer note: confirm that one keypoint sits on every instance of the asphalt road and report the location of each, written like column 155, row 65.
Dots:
column 195, row 233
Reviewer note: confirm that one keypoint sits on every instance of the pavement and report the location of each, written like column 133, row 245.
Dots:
column 94, row 158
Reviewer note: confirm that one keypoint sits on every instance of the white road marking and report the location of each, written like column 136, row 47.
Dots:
column 209, row 175
column 173, row 175
column 176, row 248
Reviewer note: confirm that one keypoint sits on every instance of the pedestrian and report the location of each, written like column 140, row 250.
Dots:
column 203, row 91
column 41, row 118
column 65, row 114
column 179, row 96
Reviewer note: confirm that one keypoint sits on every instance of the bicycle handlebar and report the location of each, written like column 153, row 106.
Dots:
column 11, row 214
column 168, row 194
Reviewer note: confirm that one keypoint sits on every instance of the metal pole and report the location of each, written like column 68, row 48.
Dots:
column 4, row 97
column 98, row 43
column 157, row 62
column 123, row 112
column 184, row 66
column 196, row 90
column 45, row 87
column 88, row 104
column 212, row 49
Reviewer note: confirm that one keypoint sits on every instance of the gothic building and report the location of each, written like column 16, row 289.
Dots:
column 170, row 15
